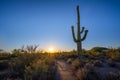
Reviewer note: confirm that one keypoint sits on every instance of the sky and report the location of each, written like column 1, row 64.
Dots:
column 48, row 23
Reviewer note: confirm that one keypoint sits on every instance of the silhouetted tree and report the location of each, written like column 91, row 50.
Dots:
column 31, row 48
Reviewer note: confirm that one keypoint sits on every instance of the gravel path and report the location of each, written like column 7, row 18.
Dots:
column 63, row 71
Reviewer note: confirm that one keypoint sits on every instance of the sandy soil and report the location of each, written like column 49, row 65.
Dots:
column 63, row 71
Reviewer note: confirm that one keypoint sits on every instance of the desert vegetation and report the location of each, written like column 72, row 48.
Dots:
column 26, row 65
column 99, row 64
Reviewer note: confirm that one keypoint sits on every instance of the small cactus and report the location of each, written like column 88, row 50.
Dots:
column 79, row 40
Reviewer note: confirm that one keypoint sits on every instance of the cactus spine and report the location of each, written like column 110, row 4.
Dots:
column 79, row 40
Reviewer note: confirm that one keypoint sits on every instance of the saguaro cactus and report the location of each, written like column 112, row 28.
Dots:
column 79, row 40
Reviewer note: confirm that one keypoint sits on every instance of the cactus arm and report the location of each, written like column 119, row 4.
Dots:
column 83, row 28
column 73, row 34
column 84, row 37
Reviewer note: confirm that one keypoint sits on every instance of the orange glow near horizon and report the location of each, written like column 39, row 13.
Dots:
column 51, row 49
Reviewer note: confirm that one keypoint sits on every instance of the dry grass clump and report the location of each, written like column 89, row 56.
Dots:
column 89, row 66
column 112, row 76
column 81, row 74
column 5, row 56
column 75, row 64
column 69, row 60
column 86, row 74
column 98, row 63
column 92, row 75
column 114, row 54
column 33, row 66
column 39, row 70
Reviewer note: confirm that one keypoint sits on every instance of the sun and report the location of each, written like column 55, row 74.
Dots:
column 51, row 49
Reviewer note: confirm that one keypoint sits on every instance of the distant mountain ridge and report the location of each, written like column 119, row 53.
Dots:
column 99, row 49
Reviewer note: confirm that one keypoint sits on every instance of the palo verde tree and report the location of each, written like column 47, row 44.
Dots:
column 78, row 40
column 32, row 48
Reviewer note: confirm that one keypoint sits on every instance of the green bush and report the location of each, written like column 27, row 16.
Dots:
column 114, row 54
column 5, row 56
column 33, row 66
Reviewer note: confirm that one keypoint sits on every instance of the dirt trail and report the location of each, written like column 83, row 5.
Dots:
column 63, row 71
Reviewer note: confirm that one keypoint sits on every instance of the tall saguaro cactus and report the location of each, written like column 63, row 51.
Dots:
column 78, row 40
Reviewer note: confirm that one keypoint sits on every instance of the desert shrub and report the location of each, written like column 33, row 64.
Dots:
column 75, row 64
column 28, row 73
column 69, row 61
column 114, row 54
column 86, row 74
column 5, row 56
column 85, row 59
column 33, row 66
column 84, row 51
column 112, row 76
column 37, row 70
column 95, row 54
column 66, row 55
column 89, row 66
column 90, row 54
column 98, row 63
column 93, row 75
column 42, row 69
column 81, row 74
column 97, row 51
column 3, row 65
column 18, row 64
column 15, row 54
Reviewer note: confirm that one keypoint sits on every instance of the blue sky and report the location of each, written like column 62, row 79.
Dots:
column 48, row 23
